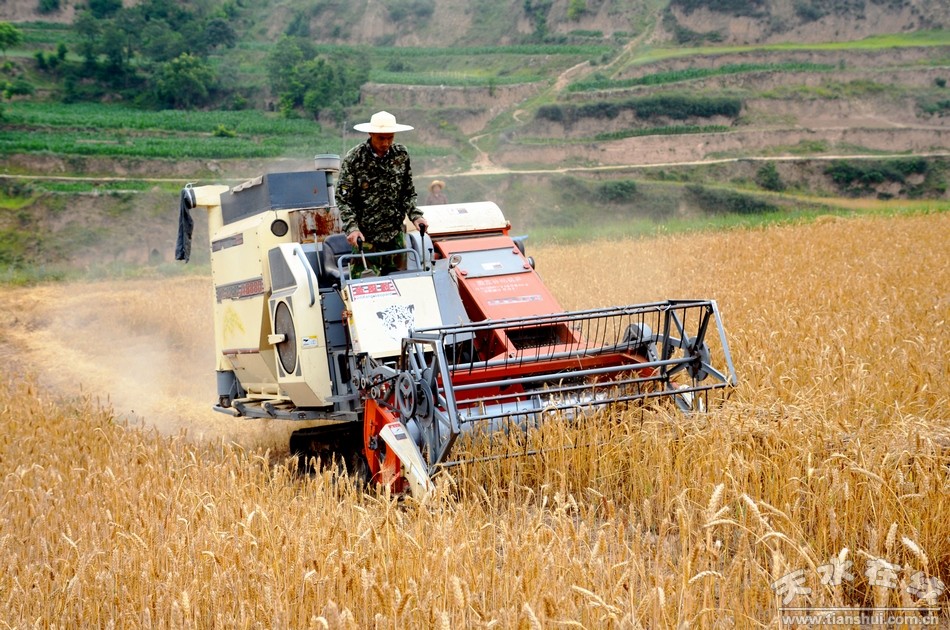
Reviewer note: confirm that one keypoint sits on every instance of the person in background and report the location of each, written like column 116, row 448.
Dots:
column 436, row 193
column 375, row 193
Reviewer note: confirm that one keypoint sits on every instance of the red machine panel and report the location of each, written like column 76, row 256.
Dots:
column 496, row 280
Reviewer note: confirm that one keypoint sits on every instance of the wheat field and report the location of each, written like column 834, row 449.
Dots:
column 127, row 503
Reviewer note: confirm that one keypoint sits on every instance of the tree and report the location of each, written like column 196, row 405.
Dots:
column 88, row 29
column 537, row 12
column 10, row 36
column 104, row 8
column 281, row 62
column 301, row 79
column 160, row 42
column 218, row 32
column 184, row 82
column 112, row 44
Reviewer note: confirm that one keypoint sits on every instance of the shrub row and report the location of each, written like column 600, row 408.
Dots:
column 719, row 201
column 675, row 106
column 687, row 74
column 669, row 130
column 845, row 173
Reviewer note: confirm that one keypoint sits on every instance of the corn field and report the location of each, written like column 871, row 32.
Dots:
column 822, row 483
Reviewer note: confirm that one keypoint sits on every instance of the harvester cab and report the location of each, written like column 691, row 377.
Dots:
column 389, row 371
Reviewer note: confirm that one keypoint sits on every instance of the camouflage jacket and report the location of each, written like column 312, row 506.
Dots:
column 376, row 194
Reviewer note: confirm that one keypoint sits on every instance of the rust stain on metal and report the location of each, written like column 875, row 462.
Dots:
column 316, row 224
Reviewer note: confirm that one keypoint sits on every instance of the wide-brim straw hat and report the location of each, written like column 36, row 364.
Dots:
column 435, row 183
column 382, row 122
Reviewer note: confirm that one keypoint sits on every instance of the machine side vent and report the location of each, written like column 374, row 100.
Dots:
column 284, row 325
column 280, row 274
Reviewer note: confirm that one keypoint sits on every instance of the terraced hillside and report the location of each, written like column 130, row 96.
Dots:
column 711, row 104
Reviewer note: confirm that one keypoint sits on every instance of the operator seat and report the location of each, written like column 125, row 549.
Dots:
column 334, row 246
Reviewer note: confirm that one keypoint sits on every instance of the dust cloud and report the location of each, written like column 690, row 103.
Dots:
column 143, row 349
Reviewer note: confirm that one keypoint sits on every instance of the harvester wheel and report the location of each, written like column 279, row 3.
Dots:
column 425, row 406
column 640, row 338
column 405, row 396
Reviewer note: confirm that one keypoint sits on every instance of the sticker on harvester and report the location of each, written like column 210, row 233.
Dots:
column 398, row 431
column 310, row 341
column 515, row 300
column 373, row 289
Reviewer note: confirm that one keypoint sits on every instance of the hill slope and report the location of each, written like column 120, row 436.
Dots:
column 657, row 93
column 437, row 23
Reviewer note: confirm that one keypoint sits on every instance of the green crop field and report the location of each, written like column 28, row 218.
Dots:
column 108, row 130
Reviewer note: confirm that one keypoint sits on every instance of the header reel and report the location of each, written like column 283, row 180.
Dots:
column 512, row 375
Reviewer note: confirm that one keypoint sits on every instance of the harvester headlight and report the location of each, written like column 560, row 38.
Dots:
column 279, row 227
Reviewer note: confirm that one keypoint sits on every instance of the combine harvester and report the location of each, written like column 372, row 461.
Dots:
column 389, row 372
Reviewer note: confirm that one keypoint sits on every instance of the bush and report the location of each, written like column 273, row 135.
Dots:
column 768, row 178
column 575, row 9
column 401, row 9
column 299, row 25
column 554, row 113
column 810, row 11
column 861, row 177
column 715, row 201
column 14, row 245
column 222, row 131
column 940, row 107
column 620, row 191
column 104, row 8
column 17, row 87
column 679, row 107
column 750, row 8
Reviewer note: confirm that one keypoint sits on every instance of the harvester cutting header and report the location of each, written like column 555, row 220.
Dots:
column 390, row 371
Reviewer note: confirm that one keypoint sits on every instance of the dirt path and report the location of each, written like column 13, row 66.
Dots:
column 570, row 74
column 497, row 170
column 483, row 165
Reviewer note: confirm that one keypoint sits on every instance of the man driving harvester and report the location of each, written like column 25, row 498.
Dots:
column 375, row 192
